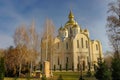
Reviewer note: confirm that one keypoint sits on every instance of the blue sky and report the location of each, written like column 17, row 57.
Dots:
column 89, row 14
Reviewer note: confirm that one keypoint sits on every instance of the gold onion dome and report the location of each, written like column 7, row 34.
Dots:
column 70, row 15
column 86, row 30
column 61, row 28
column 64, row 29
column 75, row 26
column 71, row 18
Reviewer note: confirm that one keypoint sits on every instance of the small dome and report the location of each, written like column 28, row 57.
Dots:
column 64, row 29
column 86, row 30
column 75, row 26
column 60, row 28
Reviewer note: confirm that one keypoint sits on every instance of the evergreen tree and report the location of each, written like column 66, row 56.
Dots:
column 102, row 72
column 66, row 66
column 116, row 69
column 60, row 67
column 95, row 67
column 54, row 67
column 78, row 67
column 2, row 69
column 89, row 73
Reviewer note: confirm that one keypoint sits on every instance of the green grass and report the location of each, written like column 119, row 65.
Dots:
column 72, row 75
column 65, row 75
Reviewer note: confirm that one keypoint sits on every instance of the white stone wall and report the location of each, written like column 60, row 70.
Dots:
column 68, row 44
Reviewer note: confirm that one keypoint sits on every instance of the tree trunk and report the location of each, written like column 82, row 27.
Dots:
column 31, row 66
column 20, row 67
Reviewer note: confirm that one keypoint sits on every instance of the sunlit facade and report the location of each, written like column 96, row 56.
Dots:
column 73, row 47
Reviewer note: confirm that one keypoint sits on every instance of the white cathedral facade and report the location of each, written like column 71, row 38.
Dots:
column 73, row 47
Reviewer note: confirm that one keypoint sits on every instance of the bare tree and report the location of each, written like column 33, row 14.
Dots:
column 113, row 26
column 33, row 45
column 21, row 39
column 2, row 51
column 48, row 38
column 27, row 44
column 47, row 42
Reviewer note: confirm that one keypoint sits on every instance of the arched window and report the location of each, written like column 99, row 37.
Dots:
column 82, row 42
column 78, row 59
column 58, row 45
column 96, row 47
column 86, row 44
column 70, row 31
column 66, row 45
column 74, row 31
column 77, row 43
column 65, row 33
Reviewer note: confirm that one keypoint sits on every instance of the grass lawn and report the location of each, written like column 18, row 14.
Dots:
column 72, row 75
column 65, row 75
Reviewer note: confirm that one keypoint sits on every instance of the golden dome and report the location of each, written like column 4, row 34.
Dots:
column 70, row 15
column 71, row 19
column 75, row 26
column 86, row 30
column 64, row 29
column 61, row 28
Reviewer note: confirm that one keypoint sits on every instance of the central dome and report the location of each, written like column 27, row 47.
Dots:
column 71, row 20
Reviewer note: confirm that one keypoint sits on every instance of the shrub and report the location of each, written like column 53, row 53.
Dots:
column 89, row 74
column 54, row 67
column 116, row 69
column 102, row 72
column 60, row 67
column 2, row 69
column 60, row 77
column 78, row 67
column 81, row 78
column 43, row 77
column 72, row 67
column 66, row 66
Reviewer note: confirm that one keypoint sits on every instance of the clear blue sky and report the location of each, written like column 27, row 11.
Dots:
column 89, row 14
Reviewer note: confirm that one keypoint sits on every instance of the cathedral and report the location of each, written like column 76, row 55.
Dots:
column 73, row 48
